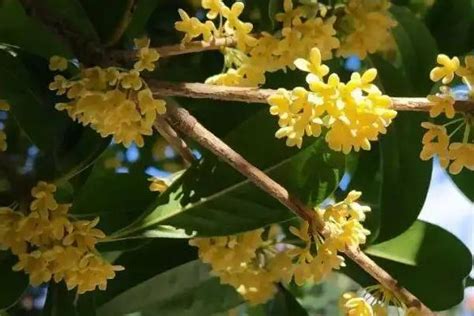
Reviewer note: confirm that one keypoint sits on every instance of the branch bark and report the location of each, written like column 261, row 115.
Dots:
column 126, row 56
column 255, row 95
column 185, row 122
column 176, row 142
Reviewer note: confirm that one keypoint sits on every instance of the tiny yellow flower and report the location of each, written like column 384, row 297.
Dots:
column 435, row 142
column 442, row 103
column 4, row 105
column 60, row 84
column 146, row 59
column 57, row 63
column 214, row 7
column 158, row 185
column 131, row 80
column 462, row 155
column 3, row 141
column 447, row 69
column 313, row 66
column 467, row 71
column 44, row 198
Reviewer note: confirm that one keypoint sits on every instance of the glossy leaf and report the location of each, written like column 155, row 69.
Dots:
column 188, row 289
column 464, row 181
column 72, row 15
column 406, row 178
column 17, row 29
column 117, row 198
column 421, row 259
column 450, row 22
column 157, row 253
column 417, row 48
column 196, row 202
column 30, row 104
column 284, row 304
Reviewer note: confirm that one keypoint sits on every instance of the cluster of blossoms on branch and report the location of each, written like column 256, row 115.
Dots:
column 254, row 265
column 375, row 301
column 4, row 106
column 354, row 113
column 113, row 101
column 51, row 246
column 364, row 28
column 438, row 140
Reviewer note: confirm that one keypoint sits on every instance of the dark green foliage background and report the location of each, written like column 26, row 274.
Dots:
column 210, row 197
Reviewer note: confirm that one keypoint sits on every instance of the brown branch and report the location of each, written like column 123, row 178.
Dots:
column 255, row 95
column 379, row 274
column 123, row 23
column 185, row 122
column 176, row 142
column 188, row 125
column 125, row 56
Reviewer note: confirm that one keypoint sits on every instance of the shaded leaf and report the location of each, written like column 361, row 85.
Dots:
column 17, row 29
column 421, row 259
column 13, row 283
column 196, row 202
column 188, row 289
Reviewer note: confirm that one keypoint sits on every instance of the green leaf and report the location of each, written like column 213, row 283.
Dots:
column 118, row 198
column 82, row 148
column 141, row 16
column 13, row 283
column 284, row 304
column 17, row 29
column 417, row 48
column 144, row 262
column 72, row 14
column 465, row 183
column 421, row 259
column 197, row 202
column 105, row 24
column 188, row 289
column 450, row 23
column 406, row 178
column 31, row 105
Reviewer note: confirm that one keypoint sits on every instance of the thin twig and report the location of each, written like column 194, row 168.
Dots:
column 123, row 24
column 185, row 122
column 255, row 95
column 172, row 137
column 125, row 56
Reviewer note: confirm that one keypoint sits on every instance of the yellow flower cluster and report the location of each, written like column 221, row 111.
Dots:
column 354, row 113
column 303, row 27
column 253, row 265
column 4, row 106
column 320, row 255
column 247, row 262
column 437, row 140
column 112, row 101
column 369, row 25
column 375, row 302
column 50, row 246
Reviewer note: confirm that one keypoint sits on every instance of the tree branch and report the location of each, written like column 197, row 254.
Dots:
column 255, row 95
column 185, row 122
column 176, row 142
column 126, row 56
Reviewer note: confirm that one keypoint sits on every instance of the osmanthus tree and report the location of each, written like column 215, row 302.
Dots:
column 278, row 165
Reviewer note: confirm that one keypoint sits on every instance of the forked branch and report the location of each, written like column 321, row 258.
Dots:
column 188, row 125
